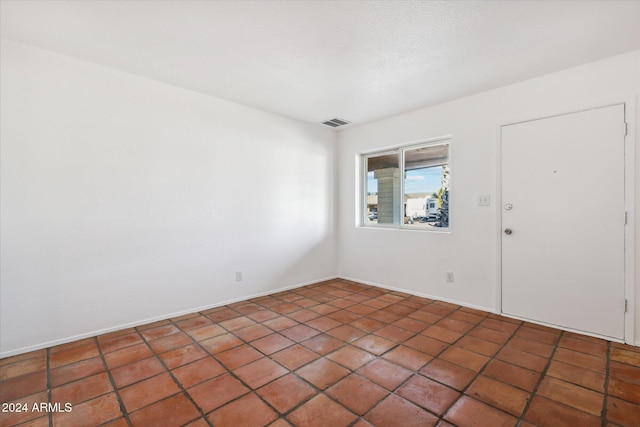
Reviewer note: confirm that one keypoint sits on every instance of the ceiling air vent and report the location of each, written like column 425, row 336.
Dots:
column 334, row 123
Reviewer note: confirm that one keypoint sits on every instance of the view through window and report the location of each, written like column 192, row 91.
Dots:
column 408, row 187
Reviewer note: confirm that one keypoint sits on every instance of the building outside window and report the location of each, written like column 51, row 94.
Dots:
column 407, row 187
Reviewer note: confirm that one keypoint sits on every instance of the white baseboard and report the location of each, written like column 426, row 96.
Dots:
column 562, row 328
column 481, row 308
column 243, row 298
column 419, row 294
column 90, row 334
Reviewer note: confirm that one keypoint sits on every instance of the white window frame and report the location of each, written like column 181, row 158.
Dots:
column 361, row 210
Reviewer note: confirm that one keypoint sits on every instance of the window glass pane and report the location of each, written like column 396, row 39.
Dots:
column 426, row 186
column 382, row 189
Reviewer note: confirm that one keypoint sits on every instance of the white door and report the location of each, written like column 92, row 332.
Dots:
column 563, row 205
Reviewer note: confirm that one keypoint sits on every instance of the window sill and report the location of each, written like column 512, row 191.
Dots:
column 405, row 228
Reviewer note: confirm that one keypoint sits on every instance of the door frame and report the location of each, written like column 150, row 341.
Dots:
column 629, row 203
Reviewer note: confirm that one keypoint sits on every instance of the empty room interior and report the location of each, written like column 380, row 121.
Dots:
column 320, row 213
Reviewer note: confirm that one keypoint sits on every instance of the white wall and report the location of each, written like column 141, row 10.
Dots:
column 125, row 200
column 417, row 261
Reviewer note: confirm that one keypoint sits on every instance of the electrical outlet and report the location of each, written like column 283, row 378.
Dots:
column 450, row 276
column 238, row 276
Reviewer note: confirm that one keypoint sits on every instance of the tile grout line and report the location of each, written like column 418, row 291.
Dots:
column 345, row 344
column 173, row 377
column 293, row 372
column 543, row 375
column 448, row 345
column 605, row 399
column 463, row 392
column 125, row 414
column 393, row 392
column 49, row 391
column 233, row 374
column 323, row 356
column 230, row 371
column 268, row 356
column 358, row 417
column 415, row 334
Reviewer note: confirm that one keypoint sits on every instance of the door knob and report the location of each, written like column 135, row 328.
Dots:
column 507, row 231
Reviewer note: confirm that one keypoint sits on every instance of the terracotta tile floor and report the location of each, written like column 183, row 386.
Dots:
column 332, row 354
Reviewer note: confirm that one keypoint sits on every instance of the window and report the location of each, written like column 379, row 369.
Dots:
column 407, row 187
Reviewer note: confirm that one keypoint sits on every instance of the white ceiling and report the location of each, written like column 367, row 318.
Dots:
column 316, row 60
